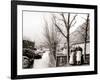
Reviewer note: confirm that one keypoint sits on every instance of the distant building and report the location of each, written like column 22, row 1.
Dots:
column 81, row 44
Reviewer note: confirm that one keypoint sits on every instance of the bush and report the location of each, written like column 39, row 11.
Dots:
column 28, row 57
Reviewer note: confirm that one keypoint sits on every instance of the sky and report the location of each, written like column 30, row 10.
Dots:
column 33, row 24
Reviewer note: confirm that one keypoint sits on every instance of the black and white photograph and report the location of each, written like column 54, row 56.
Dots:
column 53, row 39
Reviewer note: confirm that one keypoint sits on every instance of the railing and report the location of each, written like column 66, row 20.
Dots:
column 62, row 60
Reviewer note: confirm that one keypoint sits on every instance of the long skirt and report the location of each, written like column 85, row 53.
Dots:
column 72, row 58
column 78, row 56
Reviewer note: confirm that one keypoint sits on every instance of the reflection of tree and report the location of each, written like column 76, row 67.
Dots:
column 85, row 34
column 51, row 37
column 67, row 22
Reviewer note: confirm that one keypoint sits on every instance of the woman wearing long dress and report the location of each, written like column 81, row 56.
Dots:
column 79, row 55
column 72, row 60
column 72, row 56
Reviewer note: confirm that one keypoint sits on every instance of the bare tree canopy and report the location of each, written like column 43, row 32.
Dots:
column 51, row 34
column 67, row 22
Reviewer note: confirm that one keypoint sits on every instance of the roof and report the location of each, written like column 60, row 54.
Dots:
column 77, row 37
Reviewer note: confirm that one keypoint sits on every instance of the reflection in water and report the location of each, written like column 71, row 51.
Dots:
column 46, row 61
column 43, row 62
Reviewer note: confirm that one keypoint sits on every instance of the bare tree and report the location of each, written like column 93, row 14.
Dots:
column 68, row 22
column 84, row 32
column 51, row 37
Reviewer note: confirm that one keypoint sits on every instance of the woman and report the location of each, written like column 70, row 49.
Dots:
column 72, row 56
column 79, row 55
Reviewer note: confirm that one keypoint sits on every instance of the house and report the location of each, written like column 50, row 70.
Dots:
column 81, row 44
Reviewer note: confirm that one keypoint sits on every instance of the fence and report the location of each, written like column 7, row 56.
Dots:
column 61, row 60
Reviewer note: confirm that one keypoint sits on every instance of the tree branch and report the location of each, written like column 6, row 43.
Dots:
column 73, row 24
column 60, row 30
column 58, row 27
column 72, row 20
column 66, row 24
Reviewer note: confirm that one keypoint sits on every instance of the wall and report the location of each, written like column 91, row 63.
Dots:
column 5, row 41
column 82, row 46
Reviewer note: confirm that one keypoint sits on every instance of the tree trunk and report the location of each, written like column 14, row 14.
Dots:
column 85, row 45
column 68, row 48
column 54, row 51
column 84, row 57
column 86, row 38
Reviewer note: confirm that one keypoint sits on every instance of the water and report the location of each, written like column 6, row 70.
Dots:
column 43, row 62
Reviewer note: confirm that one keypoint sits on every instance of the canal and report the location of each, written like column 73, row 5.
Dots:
column 43, row 62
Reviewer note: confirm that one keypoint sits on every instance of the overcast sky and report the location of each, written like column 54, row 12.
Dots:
column 33, row 23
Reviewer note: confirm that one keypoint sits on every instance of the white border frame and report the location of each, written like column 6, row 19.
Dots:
column 21, row 71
